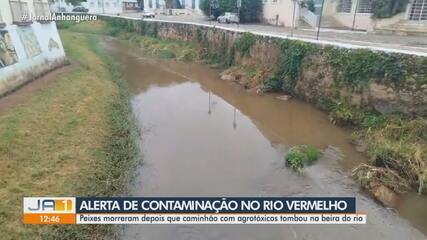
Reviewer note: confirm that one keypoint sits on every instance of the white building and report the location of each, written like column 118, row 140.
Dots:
column 357, row 14
column 104, row 6
column 346, row 14
column 281, row 12
column 191, row 5
column 160, row 5
column 28, row 47
column 61, row 6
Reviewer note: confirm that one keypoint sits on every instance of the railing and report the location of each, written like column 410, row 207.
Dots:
column 41, row 10
column 418, row 10
column 309, row 17
column 20, row 12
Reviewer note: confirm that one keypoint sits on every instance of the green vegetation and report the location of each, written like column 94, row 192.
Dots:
column 309, row 4
column 149, row 43
column 388, row 8
column 74, row 138
column 393, row 146
column 299, row 156
column 273, row 84
column 399, row 145
column 94, row 27
column 251, row 10
column 293, row 54
column 356, row 68
column 163, row 48
column 244, row 43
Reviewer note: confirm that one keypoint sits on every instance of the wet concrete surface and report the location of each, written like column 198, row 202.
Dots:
column 201, row 136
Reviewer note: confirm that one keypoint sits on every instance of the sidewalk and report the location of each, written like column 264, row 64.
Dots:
column 416, row 45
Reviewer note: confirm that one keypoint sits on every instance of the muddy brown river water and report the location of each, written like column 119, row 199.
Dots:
column 205, row 137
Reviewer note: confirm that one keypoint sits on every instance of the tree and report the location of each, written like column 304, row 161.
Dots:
column 388, row 8
column 250, row 11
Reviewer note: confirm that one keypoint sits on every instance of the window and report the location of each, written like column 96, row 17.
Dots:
column 418, row 10
column 344, row 6
column 41, row 8
column 365, row 6
column 20, row 12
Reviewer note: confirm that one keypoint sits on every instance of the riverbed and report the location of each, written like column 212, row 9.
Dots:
column 201, row 136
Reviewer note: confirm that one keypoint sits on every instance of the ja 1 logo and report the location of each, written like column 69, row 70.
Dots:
column 49, row 205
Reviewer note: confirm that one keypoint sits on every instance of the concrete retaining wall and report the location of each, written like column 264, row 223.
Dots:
column 38, row 49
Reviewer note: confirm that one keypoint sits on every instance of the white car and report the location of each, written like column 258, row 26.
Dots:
column 148, row 14
column 228, row 17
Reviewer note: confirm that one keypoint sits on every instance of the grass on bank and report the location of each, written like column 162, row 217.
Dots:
column 165, row 49
column 74, row 138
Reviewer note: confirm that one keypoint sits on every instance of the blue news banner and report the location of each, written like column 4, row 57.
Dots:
column 216, row 210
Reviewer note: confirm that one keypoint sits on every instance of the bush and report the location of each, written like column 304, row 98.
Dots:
column 166, row 54
column 293, row 55
column 302, row 155
column 273, row 84
column 188, row 55
column 399, row 144
column 388, row 8
column 244, row 43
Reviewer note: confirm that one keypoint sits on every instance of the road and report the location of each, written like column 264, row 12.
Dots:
column 405, row 44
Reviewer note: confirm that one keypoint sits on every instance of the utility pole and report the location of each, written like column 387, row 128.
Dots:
column 320, row 20
column 354, row 16
column 210, row 11
column 103, row 9
column 293, row 18
column 239, row 5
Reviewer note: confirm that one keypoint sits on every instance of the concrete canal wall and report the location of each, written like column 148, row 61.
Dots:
column 315, row 71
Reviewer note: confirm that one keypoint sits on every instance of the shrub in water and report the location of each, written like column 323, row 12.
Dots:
column 302, row 155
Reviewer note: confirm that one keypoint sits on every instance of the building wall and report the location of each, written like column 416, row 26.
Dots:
column 280, row 12
column 161, row 5
column 154, row 4
column 27, row 52
column 189, row 4
column 5, row 12
column 57, row 5
column 363, row 21
column 110, row 6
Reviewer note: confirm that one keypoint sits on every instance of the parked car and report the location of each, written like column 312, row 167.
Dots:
column 228, row 17
column 80, row 9
column 148, row 14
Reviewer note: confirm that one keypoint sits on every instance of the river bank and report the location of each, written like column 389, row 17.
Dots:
column 72, row 137
column 381, row 96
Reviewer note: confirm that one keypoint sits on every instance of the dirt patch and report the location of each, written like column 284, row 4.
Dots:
column 24, row 93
